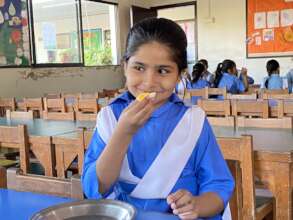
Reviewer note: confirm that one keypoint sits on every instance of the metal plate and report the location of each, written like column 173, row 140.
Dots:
column 103, row 209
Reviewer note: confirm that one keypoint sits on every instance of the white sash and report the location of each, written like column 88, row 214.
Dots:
column 164, row 172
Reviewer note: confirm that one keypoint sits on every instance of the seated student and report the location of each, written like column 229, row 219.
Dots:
column 290, row 80
column 141, row 151
column 197, row 81
column 182, row 84
column 207, row 75
column 226, row 77
column 273, row 81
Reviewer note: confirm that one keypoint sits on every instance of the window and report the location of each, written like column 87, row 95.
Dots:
column 99, row 33
column 56, row 31
column 57, row 37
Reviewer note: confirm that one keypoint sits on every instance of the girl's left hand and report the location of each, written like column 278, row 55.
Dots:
column 183, row 204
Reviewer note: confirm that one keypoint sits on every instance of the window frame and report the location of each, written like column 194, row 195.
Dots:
column 33, row 59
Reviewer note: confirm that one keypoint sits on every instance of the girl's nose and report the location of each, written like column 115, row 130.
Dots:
column 150, row 79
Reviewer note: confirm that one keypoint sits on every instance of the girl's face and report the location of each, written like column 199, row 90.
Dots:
column 151, row 69
column 233, row 71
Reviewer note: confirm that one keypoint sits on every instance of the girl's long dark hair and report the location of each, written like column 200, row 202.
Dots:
column 198, row 70
column 272, row 67
column 223, row 67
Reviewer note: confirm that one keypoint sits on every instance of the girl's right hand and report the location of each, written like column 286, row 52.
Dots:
column 135, row 115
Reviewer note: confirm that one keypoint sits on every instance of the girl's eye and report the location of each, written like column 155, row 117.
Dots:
column 163, row 71
column 139, row 68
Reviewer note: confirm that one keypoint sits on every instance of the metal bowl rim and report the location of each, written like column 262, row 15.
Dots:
column 82, row 202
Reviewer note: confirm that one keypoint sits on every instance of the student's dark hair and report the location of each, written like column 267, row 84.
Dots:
column 223, row 67
column 197, row 72
column 204, row 62
column 162, row 31
column 272, row 66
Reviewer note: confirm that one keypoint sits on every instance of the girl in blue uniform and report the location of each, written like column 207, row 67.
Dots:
column 197, row 82
column 273, row 80
column 157, row 154
column 226, row 77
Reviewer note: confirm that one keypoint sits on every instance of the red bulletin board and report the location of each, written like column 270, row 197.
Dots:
column 269, row 28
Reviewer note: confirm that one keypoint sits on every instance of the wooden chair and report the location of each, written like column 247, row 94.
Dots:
column 217, row 92
column 111, row 93
column 16, row 138
column 55, row 109
column 19, row 115
column 265, row 92
column 52, row 95
column 70, row 188
column 67, row 150
column 251, row 108
column 244, row 204
column 87, row 137
column 218, row 111
column 86, row 109
column 251, row 96
column 203, row 93
column 285, row 108
column 35, row 105
column 274, row 110
column 94, row 95
column 7, row 103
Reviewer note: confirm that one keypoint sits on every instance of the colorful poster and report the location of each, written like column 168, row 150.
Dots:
column 269, row 28
column 14, row 37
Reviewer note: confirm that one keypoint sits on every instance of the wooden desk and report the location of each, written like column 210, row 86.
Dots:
column 273, row 161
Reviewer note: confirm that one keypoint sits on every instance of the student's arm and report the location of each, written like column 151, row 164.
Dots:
column 216, row 183
column 244, row 79
column 108, row 165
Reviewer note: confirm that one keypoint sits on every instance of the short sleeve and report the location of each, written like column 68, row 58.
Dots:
column 240, row 85
column 213, row 172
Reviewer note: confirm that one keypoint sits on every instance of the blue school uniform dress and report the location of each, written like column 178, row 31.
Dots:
column 232, row 83
column 250, row 80
column 199, row 84
column 205, row 170
column 290, row 80
column 273, row 82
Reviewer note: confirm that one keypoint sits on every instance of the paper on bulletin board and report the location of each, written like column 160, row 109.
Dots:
column 268, row 34
column 260, row 20
column 273, row 19
column 286, row 17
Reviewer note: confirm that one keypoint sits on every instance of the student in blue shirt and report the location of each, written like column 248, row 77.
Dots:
column 207, row 75
column 156, row 153
column 197, row 82
column 290, row 80
column 226, row 77
column 273, row 81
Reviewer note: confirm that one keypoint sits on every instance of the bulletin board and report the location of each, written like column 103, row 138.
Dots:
column 269, row 28
column 14, row 33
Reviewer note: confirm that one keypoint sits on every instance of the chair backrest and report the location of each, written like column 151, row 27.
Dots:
column 17, row 138
column 251, row 96
column 215, row 107
column 265, row 92
column 70, row 188
column 52, row 95
column 67, row 150
column 87, row 105
column 110, row 92
column 285, row 108
column 7, row 103
column 55, row 109
column 218, row 92
column 257, row 108
column 19, row 114
column 33, row 104
column 278, row 96
column 241, row 151
column 94, row 95
column 203, row 93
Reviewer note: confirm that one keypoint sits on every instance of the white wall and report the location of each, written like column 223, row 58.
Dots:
column 225, row 38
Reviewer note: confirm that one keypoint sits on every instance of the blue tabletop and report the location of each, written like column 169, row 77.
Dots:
column 16, row 205
column 41, row 127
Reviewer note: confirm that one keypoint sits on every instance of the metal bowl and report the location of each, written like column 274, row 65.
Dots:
column 104, row 209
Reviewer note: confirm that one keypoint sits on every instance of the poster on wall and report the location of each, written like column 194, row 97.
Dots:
column 269, row 28
column 14, row 33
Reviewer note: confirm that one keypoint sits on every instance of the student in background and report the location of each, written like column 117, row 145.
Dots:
column 141, row 151
column 250, row 80
column 290, row 80
column 183, row 84
column 273, row 81
column 208, row 76
column 198, row 81
column 226, row 77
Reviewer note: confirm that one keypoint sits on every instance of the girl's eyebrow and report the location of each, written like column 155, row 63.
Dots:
column 164, row 66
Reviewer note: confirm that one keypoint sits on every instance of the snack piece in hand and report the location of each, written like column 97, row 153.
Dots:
column 143, row 95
